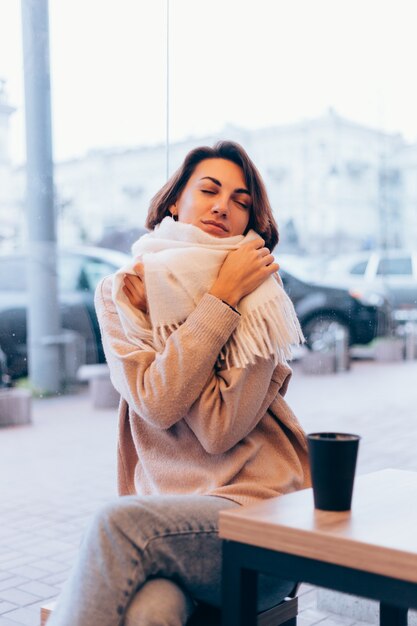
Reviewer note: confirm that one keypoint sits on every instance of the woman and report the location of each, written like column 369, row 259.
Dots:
column 197, row 347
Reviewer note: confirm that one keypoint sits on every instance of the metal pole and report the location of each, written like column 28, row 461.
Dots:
column 44, row 326
column 167, row 138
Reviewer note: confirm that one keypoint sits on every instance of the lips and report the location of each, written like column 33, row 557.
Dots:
column 218, row 224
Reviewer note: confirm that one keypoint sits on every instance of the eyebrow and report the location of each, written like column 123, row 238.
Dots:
column 217, row 182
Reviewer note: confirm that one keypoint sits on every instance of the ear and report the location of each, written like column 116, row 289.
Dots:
column 173, row 210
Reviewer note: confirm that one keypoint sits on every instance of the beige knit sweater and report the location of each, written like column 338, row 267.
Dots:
column 187, row 428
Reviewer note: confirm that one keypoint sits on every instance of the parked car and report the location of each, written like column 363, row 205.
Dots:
column 4, row 376
column 79, row 271
column 320, row 308
column 392, row 273
column 323, row 309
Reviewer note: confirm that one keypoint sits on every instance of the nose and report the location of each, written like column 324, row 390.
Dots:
column 220, row 207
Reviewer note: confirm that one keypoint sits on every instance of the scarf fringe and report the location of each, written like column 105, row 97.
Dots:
column 268, row 330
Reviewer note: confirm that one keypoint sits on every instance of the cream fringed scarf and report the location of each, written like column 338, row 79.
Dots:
column 181, row 263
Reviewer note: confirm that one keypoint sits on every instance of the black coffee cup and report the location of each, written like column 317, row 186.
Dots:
column 333, row 464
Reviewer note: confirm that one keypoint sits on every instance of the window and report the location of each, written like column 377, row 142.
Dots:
column 400, row 266
column 94, row 270
column 13, row 275
column 359, row 269
column 69, row 273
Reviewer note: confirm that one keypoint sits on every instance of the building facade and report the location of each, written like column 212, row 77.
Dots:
column 334, row 185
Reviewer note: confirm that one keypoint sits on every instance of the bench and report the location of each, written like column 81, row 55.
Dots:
column 102, row 393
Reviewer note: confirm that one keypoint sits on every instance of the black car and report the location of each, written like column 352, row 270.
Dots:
column 79, row 271
column 322, row 309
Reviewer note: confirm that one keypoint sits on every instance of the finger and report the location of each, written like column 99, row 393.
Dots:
column 139, row 292
column 271, row 259
column 128, row 289
column 258, row 243
column 139, row 269
column 268, row 259
column 133, row 281
column 127, row 279
column 129, row 294
column 264, row 252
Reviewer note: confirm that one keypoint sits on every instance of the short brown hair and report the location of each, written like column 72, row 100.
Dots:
column 261, row 218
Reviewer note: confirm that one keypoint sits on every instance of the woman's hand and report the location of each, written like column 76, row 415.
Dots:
column 243, row 271
column 134, row 288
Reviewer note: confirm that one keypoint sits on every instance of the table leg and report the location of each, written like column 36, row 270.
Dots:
column 392, row 615
column 239, row 590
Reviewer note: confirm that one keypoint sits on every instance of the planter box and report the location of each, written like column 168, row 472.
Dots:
column 15, row 407
column 102, row 392
column 319, row 363
column 389, row 349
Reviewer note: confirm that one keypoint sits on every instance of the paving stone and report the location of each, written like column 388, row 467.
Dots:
column 5, row 531
column 56, row 580
column 48, row 548
column 7, row 556
column 23, row 617
column 29, row 571
column 32, row 522
column 50, row 532
column 6, row 606
column 307, row 599
column 313, row 615
column 307, row 619
column 36, row 606
column 11, row 516
column 68, row 557
column 5, row 621
column 13, row 581
column 23, row 559
column 337, row 620
column 40, row 589
column 50, row 565
column 75, row 538
column 17, row 596
column 21, row 540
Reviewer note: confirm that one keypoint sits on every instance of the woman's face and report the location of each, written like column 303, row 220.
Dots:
column 215, row 199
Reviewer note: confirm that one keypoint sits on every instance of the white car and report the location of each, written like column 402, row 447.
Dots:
column 391, row 272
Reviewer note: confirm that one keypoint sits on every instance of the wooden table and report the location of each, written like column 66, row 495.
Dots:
column 370, row 551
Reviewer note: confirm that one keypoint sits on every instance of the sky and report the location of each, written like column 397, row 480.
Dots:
column 248, row 63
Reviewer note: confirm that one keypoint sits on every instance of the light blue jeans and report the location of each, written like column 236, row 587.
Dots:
column 146, row 561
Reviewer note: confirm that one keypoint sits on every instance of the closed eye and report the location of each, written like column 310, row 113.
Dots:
column 242, row 204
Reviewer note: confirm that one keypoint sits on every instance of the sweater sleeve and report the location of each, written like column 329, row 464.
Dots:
column 234, row 401
column 162, row 387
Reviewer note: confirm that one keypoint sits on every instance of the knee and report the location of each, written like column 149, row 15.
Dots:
column 111, row 518
column 159, row 602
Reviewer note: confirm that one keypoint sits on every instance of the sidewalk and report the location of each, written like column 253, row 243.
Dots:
column 56, row 472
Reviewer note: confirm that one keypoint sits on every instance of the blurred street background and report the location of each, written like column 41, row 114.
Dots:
column 99, row 104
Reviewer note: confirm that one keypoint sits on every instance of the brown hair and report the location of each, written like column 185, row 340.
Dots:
column 261, row 218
